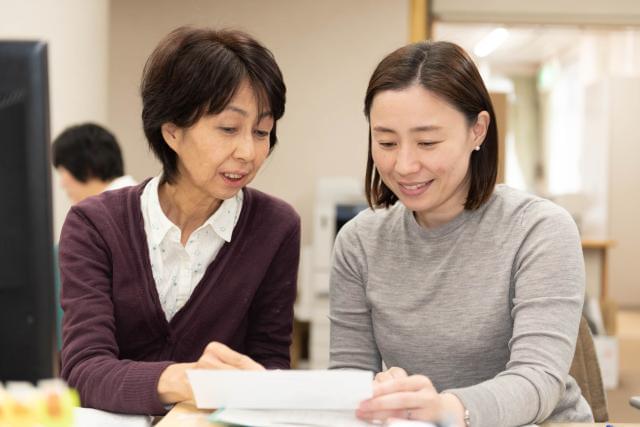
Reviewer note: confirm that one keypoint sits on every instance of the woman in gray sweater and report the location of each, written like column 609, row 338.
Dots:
column 469, row 293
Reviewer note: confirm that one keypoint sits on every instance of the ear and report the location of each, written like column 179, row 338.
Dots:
column 479, row 128
column 172, row 135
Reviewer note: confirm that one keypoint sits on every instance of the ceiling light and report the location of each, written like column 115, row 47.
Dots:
column 490, row 42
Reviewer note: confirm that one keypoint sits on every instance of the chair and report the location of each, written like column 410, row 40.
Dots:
column 586, row 371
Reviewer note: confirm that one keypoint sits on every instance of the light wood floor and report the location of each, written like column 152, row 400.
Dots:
column 629, row 340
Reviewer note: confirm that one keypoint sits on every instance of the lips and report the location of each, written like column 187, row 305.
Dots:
column 234, row 175
column 235, row 178
column 414, row 188
column 415, row 185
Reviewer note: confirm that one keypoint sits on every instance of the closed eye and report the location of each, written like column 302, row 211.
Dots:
column 428, row 143
column 385, row 144
column 261, row 133
column 228, row 130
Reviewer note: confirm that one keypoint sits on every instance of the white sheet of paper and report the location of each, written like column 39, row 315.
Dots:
column 288, row 418
column 87, row 417
column 409, row 423
column 339, row 389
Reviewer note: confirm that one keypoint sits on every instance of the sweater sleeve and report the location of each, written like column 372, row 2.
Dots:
column 90, row 355
column 271, row 313
column 353, row 344
column 548, row 283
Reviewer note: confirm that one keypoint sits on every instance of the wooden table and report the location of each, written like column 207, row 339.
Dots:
column 186, row 415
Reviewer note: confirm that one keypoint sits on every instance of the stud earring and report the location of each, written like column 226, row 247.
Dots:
column 477, row 148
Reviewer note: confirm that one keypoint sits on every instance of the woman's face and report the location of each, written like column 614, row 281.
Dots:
column 421, row 146
column 221, row 153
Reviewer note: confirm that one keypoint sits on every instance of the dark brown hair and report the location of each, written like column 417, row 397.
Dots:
column 446, row 70
column 194, row 72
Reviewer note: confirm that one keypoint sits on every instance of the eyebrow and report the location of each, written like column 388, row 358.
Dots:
column 426, row 128
column 245, row 113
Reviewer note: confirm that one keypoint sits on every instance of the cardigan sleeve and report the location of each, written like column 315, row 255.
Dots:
column 271, row 313
column 90, row 354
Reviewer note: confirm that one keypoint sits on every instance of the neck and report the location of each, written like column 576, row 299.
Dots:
column 432, row 220
column 186, row 206
column 445, row 211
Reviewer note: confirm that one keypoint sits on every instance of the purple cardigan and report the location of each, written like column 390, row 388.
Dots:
column 116, row 339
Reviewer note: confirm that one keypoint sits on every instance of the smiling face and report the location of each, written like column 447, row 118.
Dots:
column 221, row 153
column 421, row 147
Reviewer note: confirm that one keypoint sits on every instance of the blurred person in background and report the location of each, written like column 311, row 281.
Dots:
column 88, row 160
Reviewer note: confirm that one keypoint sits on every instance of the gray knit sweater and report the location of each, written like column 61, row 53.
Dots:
column 487, row 306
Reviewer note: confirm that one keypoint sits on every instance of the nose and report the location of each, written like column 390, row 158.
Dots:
column 245, row 150
column 406, row 161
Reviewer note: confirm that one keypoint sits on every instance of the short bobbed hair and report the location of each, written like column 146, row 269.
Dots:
column 195, row 72
column 446, row 70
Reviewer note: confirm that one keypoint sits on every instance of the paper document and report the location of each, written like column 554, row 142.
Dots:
column 87, row 417
column 287, row 418
column 409, row 423
column 340, row 389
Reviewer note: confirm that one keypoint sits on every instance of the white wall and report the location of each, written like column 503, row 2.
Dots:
column 624, row 200
column 76, row 32
column 327, row 51
column 605, row 69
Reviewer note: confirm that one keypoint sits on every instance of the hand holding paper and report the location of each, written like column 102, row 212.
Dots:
column 218, row 356
column 173, row 385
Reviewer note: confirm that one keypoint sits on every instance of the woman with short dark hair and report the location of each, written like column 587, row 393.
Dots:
column 468, row 292
column 190, row 269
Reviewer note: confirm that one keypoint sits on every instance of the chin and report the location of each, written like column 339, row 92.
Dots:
column 415, row 205
column 225, row 194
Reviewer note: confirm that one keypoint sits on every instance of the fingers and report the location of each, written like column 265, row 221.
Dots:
column 209, row 361
column 423, row 404
column 412, row 383
column 218, row 356
column 389, row 374
column 372, row 417
column 425, row 414
column 402, row 400
column 404, row 397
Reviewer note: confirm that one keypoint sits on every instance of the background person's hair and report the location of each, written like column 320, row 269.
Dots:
column 194, row 72
column 446, row 70
column 88, row 151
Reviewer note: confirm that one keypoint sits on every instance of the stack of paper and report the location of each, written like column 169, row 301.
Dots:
column 282, row 398
column 287, row 418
